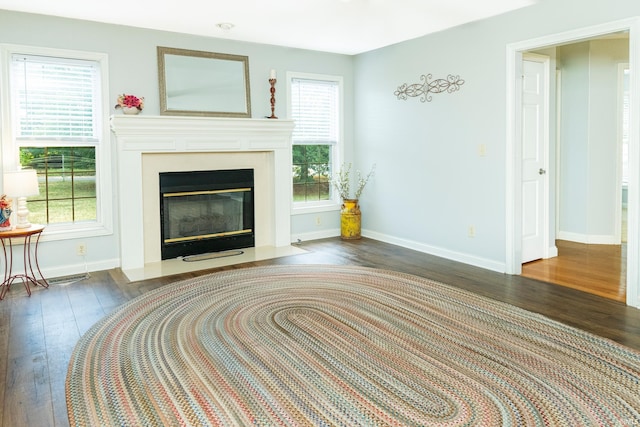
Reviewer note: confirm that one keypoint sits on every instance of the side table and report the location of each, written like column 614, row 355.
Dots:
column 30, row 258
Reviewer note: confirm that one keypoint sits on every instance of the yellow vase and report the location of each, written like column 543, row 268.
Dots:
column 350, row 219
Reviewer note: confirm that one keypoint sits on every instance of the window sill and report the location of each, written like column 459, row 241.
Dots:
column 60, row 232
column 316, row 208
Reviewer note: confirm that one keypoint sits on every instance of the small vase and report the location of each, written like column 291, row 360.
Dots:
column 350, row 220
column 130, row 110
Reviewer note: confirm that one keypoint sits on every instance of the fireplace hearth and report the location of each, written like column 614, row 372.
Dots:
column 206, row 211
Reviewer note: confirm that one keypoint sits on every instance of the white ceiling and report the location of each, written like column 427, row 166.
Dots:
column 340, row 26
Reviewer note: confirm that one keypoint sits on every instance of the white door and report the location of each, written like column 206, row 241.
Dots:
column 535, row 131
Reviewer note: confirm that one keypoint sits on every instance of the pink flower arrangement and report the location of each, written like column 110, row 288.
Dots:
column 5, row 213
column 130, row 101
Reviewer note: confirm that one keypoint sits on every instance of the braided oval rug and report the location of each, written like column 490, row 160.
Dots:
column 342, row 346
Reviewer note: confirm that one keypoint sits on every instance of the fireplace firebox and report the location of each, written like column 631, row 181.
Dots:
column 206, row 211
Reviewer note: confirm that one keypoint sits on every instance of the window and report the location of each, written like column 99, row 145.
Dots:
column 315, row 108
column 56, row 118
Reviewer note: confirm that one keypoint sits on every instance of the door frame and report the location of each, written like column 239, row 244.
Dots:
column 513, row 262
column 619, row 148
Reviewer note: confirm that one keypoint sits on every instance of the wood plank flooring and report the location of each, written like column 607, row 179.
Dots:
column 597, row 269
column 38, row 334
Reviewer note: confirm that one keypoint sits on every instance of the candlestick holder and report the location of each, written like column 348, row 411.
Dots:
column 272, row 82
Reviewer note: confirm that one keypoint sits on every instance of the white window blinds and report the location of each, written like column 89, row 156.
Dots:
column 54, row 98
column 314, row 105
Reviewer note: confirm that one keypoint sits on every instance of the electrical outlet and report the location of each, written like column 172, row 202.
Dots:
column 318, row 221
column 482, row 150
column 81, row 249
column 472, row 231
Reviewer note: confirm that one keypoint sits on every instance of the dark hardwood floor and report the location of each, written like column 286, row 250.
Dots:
column 38, row 334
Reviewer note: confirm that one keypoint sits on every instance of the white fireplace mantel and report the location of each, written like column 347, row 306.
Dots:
column 143, row 135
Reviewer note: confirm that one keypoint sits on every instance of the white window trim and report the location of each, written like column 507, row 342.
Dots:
column 334, row 203
column 104, row 189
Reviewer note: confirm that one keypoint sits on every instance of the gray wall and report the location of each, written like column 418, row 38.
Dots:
column 431, row 184
column 588, row 182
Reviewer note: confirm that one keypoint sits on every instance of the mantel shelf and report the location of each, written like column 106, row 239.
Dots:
column 127, row 125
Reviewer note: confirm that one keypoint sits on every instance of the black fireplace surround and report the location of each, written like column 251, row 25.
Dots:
column 206, row 211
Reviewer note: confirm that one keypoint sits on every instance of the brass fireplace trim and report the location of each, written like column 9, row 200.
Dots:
column 208, row 236
column 199, row 193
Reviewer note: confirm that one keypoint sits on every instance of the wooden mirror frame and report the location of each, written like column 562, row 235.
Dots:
column 208, row 83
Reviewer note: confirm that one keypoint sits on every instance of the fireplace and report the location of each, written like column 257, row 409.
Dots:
column 206, row 211
column 149, row 145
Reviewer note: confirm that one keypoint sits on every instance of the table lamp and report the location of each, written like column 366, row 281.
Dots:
column 21, row 184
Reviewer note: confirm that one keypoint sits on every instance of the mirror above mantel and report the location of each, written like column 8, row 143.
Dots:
column 198, row 83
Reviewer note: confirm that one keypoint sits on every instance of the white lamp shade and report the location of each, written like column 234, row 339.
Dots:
column 21, row 183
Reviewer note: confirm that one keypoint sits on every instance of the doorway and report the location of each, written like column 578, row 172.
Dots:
column 588, row 171
column 515, row 154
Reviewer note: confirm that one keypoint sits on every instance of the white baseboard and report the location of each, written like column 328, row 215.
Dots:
column 409, row 244
column 70, row 269
column 590, row 239
column 552, row 251
column 488, row 264
column 440, row 252
column 324, row 234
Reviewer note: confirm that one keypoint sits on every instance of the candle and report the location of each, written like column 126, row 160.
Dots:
column 272, row 75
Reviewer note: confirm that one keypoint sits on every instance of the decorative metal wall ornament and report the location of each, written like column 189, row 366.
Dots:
column 424, row 90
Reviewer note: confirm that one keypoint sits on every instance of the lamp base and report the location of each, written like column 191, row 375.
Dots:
column 22, row 213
